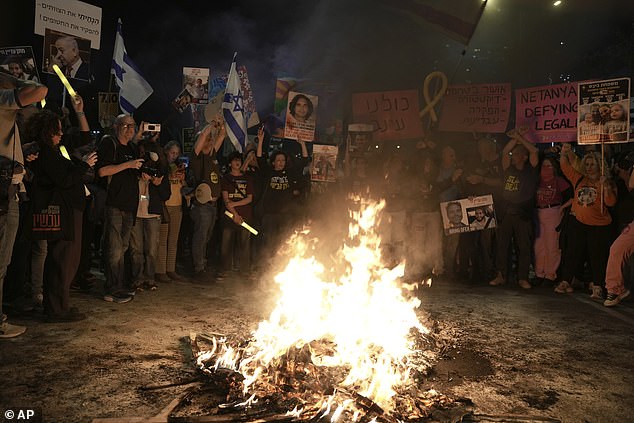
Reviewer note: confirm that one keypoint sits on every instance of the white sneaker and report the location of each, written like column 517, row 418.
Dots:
column 11, row 331
column 563, row 288
column 597, row 292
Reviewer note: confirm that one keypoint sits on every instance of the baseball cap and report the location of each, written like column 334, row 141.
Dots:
column 203, row 193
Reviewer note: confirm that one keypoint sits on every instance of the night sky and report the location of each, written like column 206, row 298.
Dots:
column 355, row 44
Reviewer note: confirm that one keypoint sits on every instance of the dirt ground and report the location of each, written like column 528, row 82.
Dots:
column 517, row 355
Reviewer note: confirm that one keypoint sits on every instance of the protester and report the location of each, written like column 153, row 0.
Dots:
column 206, row 177
column 520, row 161
column 118, row 165
column 14, row 94
column 589, row 229
column 57, row 172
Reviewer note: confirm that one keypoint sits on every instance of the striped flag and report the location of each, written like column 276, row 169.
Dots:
column 233, row 109
column 457, row 18
column 133, row 88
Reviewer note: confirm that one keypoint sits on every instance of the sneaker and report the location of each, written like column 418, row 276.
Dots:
column 118, row 297
column 8, row 330
column 564, row 288
column 597, row 292
column 150, row 285
column 613, row 299
column 524, row 284
column 176, row 277
column 499, row 280
column 162, row 278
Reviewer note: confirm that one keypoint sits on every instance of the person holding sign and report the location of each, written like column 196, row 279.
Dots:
column 589, row 229
column 520, row 161
column 55, row 170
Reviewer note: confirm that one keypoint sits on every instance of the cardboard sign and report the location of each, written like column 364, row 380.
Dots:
column 604, row 111
column 71, row 17
column 468, row 215
column 476, row 108
column 301, row 116
column 394, row 114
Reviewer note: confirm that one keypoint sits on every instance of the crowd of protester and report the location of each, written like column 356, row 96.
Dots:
column 145, row 212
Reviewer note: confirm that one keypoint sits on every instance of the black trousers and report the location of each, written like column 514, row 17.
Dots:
column 582, row 239
column 60, row 268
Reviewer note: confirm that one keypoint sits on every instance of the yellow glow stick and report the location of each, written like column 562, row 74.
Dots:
column 43, row 103
column 245, row 225
column 64, row 152
column 62, row 78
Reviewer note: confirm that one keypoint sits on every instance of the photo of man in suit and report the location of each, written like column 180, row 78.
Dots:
column 67, row 55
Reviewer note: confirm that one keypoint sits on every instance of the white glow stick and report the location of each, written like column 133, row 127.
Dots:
column 245, row 225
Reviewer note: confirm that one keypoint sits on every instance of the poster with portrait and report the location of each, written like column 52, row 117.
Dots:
column 182, row 100
column 301, row 116
column 603, row 111
column 323, row 168
column 70, row 53
column 196, row 82
column 19, row 62
column 468, row 215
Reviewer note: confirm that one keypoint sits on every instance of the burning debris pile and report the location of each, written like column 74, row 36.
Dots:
column 341, row 345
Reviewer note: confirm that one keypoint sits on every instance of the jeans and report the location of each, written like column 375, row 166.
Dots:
column 203, row 219
column 117, row 228
column 236, row 247
column 8, row 229
column 39, row 251
column 144, row 248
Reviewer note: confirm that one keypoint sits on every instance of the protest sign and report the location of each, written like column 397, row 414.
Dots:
column 476, row 108
column 394, row 114
column 301, row 116
column 71, row 17
column 324, row 164
column 468, row 215
column 19, row 62
column 108, row 108
column 182, row 100
column 603, row 111
column 196, row 82
column 189, row 138
column 71, row 54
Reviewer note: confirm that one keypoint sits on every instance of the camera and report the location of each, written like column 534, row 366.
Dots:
column 151, row 127
column 154, row 172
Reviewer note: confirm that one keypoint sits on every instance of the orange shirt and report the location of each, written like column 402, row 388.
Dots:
column 586, row 205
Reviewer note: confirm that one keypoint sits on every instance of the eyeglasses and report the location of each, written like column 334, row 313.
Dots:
column 128, row 125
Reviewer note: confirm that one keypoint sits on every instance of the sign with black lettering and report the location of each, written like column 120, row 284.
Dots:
column 476, row 108
column 550, row 112
column 394, row 114
column 108, row 108
column 71, row 17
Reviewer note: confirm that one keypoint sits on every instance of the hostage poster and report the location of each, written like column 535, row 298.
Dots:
column 603, row 113
column 468, row 215
column 196, row 82
column 19, row 62
column 301, row 116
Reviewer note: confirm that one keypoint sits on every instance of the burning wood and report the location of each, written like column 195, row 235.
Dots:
column 341, row 346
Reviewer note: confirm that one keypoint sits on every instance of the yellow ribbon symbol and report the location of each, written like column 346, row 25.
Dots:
column 429, row 108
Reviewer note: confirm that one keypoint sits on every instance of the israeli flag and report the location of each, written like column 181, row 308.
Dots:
column 233, row 109
column 133, row 88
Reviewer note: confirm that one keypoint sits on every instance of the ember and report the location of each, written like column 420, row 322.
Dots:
column 344, row 348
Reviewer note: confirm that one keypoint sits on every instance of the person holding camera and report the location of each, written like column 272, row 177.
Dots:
column 118, row 166
column 55, row 170
column 154, row 189
column 15, row 94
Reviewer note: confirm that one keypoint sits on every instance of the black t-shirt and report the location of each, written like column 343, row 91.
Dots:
column 519, row 189
column 277, row 196
column 123, row 187
column 205, row 168
column 238, row 188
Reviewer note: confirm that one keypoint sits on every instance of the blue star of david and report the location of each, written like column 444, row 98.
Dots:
column 236, row 99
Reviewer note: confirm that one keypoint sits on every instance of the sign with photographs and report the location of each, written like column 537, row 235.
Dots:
column 468, row 215
column 19, row 62
column 182, row 100
column 301, row 116
column 603, row 111
column 76, row 18
column 70, row 53
column 196, row 82
column 217, row 91
column 323, row 166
